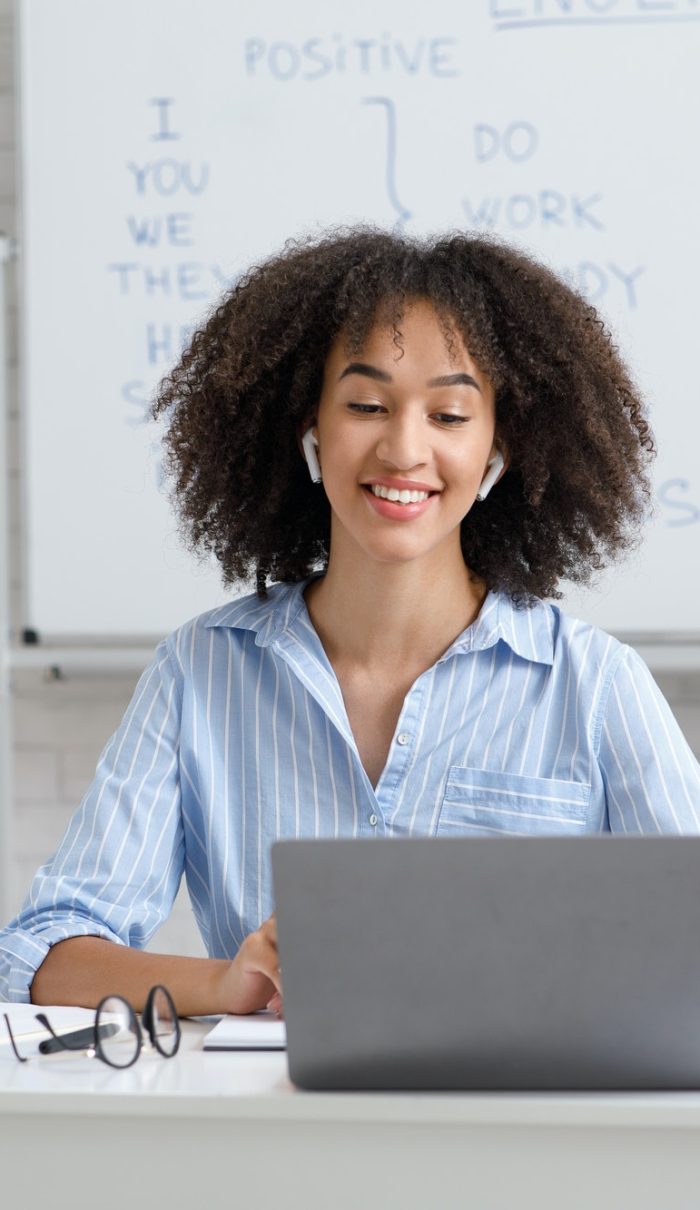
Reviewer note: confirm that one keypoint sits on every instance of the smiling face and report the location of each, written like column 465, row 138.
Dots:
column 422, row 421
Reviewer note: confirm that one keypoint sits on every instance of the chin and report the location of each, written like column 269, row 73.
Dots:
column 397, row 553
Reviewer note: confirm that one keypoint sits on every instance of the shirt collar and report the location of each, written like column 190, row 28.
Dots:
column 267, row 618
column 528, row 632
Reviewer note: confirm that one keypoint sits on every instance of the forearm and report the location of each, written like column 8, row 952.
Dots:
column 82, row 970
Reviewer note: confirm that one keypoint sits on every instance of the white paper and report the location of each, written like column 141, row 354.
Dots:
column 259, row 1031
column 25, row 1025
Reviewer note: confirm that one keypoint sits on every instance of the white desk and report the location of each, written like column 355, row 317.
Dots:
column 210, row 1130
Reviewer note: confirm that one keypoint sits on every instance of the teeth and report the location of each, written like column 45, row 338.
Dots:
column 398, row 497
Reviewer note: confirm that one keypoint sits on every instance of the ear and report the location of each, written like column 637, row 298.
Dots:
column 309, row 445
column 501, row 450
column 302, row 429
column 495, row 469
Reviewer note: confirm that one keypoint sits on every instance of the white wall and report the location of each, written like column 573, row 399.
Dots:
column 157, row 214
column 60, row 726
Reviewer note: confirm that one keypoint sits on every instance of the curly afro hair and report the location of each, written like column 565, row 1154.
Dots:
column 567, row 410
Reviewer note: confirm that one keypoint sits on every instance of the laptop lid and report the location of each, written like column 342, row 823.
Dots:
column 491, row 962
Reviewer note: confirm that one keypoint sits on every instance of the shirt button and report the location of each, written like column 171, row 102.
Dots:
column 373, row 820
column 402, row 738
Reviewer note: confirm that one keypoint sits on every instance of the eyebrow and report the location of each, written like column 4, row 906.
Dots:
column 445, row 380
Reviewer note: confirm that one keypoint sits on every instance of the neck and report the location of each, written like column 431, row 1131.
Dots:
column 381, row 617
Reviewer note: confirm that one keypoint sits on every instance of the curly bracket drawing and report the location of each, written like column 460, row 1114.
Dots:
column 403, row 214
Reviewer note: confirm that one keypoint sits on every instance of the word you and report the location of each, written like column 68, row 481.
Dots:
column 316, row 58
column 168, row 175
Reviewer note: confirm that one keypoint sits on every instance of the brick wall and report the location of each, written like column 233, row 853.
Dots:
column 60, row 726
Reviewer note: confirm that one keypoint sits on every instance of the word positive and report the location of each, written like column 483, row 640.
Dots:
column 315, row 58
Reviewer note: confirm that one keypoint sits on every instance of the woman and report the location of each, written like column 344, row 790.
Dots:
column 415, row 441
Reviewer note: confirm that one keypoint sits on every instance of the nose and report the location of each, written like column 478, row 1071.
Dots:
column 404, row 442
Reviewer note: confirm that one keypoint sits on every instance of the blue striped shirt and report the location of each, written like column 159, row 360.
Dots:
column 237, row 734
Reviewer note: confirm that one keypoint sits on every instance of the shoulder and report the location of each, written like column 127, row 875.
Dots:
column 545, row 633
column 244, row 619
column 596, row 663
column 583, row 645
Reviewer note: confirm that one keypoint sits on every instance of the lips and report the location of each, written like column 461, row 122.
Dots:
column 401, row 485
column 397, row 512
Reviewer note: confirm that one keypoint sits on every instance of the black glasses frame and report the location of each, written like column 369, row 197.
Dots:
column 22, row 1058
column 92, row 1036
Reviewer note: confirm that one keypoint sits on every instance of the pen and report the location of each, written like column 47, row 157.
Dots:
column 77, row 1039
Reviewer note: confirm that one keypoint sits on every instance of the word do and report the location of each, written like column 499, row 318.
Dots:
column 517, row 142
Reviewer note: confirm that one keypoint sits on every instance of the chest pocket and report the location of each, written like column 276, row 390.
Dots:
column 488, row 802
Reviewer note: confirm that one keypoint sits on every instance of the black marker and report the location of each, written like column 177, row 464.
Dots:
column 78, row 1039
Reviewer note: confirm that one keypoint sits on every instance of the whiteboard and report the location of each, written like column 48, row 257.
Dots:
column 166, row 145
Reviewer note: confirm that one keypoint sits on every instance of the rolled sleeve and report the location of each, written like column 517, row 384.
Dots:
column 652, row 779
column 118, row 868
column 22, row 951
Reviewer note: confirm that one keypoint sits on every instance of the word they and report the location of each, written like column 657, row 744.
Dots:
column 191, row 280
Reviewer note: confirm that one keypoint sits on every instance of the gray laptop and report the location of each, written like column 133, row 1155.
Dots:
column 491, row 962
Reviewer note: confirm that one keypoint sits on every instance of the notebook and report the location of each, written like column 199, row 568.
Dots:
column 257, row 1031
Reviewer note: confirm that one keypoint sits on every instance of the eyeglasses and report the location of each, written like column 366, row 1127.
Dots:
column 116, row 1036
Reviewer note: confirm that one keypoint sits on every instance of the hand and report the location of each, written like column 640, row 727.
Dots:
column 252, row 980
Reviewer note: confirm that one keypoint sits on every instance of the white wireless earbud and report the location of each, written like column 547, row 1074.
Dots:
column 308, row 442
column 493, row 470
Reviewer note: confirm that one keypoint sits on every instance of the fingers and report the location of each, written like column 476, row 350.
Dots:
column 253, row 978
column 258, row 954
column 269, row 930
column 259, row 957
column 269, row 927
column 275, row 1004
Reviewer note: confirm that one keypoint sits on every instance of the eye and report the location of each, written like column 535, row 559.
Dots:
column 365, row 408
column 451, row 419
